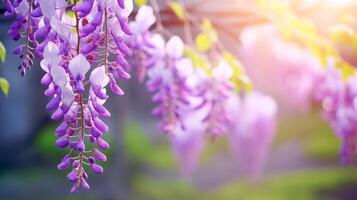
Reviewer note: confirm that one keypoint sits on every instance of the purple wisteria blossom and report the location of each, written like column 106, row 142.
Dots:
column 168, row 79
column 83, row 47
column 140, row 43
column 338, row 100
column 214, row 90
column 187, row 144
column 253, row 130
column 282, row 67
column 74, row 41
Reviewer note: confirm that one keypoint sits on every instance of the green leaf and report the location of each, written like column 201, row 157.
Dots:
column 198, row 60
column 239, row 78
column 140, row 2
column 203, row 42
column 342, row 34
column 4, row 86
column 2, row 52
column 178, row 10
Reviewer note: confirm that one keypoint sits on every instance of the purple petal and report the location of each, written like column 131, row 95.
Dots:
column 97, row 168
column 99, row 155
column 62, row 142
column 102, row 144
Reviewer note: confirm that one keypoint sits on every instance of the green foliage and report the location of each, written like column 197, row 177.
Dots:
column 149, row 189
column 140, row 149
column 178, row 10
column 205, row 40
column 304, row 32
column 45, row 142
column 198, row 59
column 2, row 52
column 303, row 184
column 239, row 78
column 314, row 135
column 140, row 2
column 4, row 86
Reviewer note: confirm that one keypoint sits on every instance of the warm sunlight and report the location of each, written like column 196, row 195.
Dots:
column 331, row 2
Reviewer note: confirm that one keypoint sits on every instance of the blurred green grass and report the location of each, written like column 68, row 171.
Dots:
column 316, row 138
column 299, row 185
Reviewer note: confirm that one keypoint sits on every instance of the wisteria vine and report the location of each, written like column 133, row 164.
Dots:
column 73, row 39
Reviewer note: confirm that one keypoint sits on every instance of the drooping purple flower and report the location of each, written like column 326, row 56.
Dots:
column 75, row 53
column 253, row 130
column 215, row 91
column 187, row 144
column 142, row 41
column 169, row 85
column 338, row 101
column 282, row 67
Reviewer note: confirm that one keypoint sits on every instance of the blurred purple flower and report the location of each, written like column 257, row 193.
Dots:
column 253, row 131
column 278, row 67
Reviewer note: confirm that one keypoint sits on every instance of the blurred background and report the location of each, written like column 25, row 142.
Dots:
column 303, row 162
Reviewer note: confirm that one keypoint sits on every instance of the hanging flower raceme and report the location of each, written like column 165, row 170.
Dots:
column 167, row 77
column 253, row 130
column 140, row 43
column 187, row 144
column 75, row 46
column 282, row 66
column 338, row 100
column 24, row 26
column 214, row 89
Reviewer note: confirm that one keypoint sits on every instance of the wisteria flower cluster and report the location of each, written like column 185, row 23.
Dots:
column 84, row 46
column 338, row 100
column 194, row 101
column 289, row 66
column 74, row 40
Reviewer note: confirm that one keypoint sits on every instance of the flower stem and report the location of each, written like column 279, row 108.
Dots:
column 82, row 125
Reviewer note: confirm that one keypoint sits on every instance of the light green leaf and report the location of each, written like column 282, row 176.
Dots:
column 240, row 79
column 140, row 2
column 4, row 86
column 2, row 52
column 341, row 34
column 198, row 60
column 203, row 42
column 178, row 10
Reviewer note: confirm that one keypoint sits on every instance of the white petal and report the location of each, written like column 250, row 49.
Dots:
column 128, row 8
column 48, row 8
column 223, row 71
column 145, row 18
column 61, row 28
column 175, row 47
column 59, row 76
column 115, row 27
column 44, row 65
column 67, row 96
column 99, row 77
column 184, row 67
column 159, row 43
column 79, row 66
column 50, row 50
